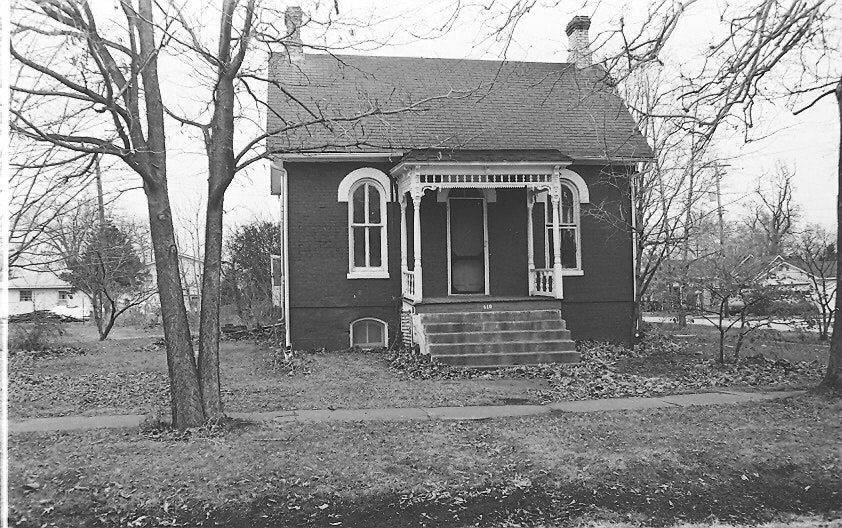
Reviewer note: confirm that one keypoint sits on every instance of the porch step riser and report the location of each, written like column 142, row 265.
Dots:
column 502, row 360
column 439, row 349
column 492, row 337
column 494, row 326
column 490, row 316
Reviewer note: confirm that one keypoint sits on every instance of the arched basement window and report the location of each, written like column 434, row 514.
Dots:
column 369, row 333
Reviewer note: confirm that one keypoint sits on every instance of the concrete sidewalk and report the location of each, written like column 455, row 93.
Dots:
column 480, row 412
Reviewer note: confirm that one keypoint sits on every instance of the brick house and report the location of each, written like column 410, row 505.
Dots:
column 471, row 207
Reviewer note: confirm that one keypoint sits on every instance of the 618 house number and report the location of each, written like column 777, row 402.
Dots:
column 487, row 306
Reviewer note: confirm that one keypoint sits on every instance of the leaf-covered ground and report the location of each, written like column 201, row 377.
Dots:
column 128, row 375
column 740, row 464
column 657, row 365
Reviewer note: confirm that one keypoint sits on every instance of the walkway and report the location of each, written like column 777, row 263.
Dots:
column 481, row 412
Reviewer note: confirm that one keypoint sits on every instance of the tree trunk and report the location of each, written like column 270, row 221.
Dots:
column 209, row 318
column 112, row 317
column 220, row 148
column 833, row 377
column 181, row 364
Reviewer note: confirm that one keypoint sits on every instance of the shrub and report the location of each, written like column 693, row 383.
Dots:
column 41, row 333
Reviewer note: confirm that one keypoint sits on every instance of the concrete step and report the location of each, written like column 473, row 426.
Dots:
column 449, row 349
column 505, row 336
column 489, row 316
column 554, row 323
column 505, row 359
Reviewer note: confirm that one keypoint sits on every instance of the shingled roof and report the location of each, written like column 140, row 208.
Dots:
column 420, row 103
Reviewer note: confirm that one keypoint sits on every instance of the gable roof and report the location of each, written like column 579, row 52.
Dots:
column 454, row 104
column 36, row 280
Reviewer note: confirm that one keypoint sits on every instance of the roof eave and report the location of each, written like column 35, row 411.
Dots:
column 338, row 156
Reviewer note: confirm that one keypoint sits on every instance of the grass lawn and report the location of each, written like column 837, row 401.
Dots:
column 750, row 463
column 127, row 374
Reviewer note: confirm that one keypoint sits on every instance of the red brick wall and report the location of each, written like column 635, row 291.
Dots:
column 599, row 304
column 323, row 301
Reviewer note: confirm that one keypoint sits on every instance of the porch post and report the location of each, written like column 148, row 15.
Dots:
column 557, row 286
column 530, row 249
column 403, row 233
column 416, row 195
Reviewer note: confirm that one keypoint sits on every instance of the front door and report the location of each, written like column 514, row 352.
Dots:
column 467, row 241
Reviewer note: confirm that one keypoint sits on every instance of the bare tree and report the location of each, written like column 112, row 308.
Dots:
column 773, row 212
column 815, row 252
column 103, row 259
column 90, row 84
column 44, row 184
column 96, row 90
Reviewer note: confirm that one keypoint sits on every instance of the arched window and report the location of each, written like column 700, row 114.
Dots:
column 365, row 191
column 369, row 333
column 571, row 255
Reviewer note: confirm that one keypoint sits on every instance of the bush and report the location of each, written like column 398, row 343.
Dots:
column 40, row 334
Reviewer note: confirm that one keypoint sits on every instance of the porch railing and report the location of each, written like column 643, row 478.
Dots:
column 543, row 282
column 408, row 284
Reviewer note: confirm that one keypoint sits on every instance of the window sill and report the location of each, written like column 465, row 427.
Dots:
column 572, row 272
column 368, row 274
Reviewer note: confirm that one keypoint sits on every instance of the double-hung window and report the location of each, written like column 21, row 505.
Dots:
column 571, row 258
column 367, row 231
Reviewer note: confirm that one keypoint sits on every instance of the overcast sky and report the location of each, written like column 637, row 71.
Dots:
column 806, row 143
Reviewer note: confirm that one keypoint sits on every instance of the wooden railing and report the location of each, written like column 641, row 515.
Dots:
column 408, row 284
column 543, row 282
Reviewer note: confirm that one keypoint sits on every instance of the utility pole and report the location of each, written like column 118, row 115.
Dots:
column 685, row 254
column 717, row 170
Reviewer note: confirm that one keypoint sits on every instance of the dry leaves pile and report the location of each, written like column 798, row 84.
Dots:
column 600, row 374
column 289, row 362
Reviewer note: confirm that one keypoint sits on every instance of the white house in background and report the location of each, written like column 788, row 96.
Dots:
column 44, row 290
column 795, row 279
column 191, row 280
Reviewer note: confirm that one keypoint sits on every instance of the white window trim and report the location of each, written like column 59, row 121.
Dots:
column 374, row 319
column 347, row 186
column 31, row 296
column 577, row 223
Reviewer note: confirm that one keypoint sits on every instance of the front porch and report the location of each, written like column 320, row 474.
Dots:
column 487, row 229
column 484, row 248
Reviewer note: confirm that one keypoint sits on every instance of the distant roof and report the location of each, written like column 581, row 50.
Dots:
column 454, row 104
column 35, row 280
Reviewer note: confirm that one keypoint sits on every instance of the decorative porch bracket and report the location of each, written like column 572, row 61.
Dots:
column 416, row 178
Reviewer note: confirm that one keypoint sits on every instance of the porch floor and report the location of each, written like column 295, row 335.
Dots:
column 479, row 303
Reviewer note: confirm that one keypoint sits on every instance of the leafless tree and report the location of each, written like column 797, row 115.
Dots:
column 102, row 258
column 815, row 253
column 773, row 212
column 90, row 84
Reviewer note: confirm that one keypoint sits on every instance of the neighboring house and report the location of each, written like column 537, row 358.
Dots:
column 44, row 290
column 191, row 281
column 792, row 278
column 485, row 224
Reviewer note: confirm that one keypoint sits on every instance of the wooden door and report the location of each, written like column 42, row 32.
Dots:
column 467, row 239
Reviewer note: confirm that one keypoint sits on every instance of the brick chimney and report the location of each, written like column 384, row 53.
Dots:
column 295, row 50
column 580, row 44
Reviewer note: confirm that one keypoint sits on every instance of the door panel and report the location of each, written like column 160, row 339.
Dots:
column 467, row 246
